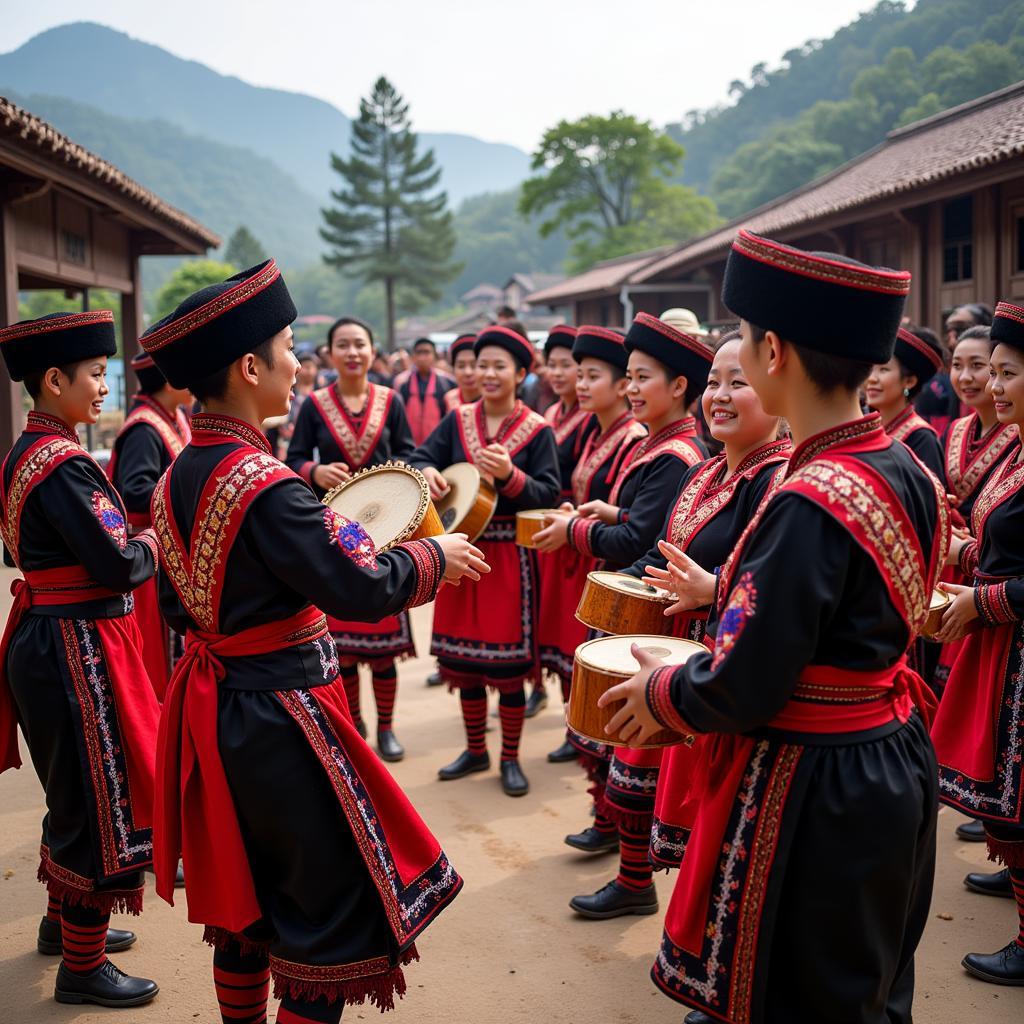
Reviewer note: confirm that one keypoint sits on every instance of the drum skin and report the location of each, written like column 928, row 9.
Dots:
column 469, row 504
column 616, row 603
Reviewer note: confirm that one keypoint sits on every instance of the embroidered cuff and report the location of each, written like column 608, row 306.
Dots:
column 148, row 537
column 306, row 471
column 578, row 534
column 622, row 516
column 514, row 485
column 992, row 604
column 968, row 558
column 659, row 700
column 429, row 561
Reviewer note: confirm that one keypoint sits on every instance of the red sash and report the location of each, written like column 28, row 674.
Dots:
column 424, row 413
column 676, row 439
column 357, row 444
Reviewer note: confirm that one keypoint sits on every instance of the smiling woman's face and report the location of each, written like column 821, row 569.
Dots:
column 1006, row 383
column 731, row 408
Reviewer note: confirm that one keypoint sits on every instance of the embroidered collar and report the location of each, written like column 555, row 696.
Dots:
column 866, row 430
column 507, row 425
column 41, row 423
column 151, row 403
column 686, row 427
column 210, row 428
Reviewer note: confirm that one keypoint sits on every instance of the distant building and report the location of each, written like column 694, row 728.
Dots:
column 519, row 286
column 485, row 296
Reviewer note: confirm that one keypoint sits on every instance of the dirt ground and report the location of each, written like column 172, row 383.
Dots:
column 509, row 950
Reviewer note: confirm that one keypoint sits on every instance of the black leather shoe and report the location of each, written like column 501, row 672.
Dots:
column 698, row 1017
column 995, row 884
column 592, row 841
column 179, row 876
column 434, row 679
column 360, row 727
column 614, row 901
column 513, row 781
column 1003, row 968
column 566, row 752
column 971, row 832
column 537, row 701
column 49, row 944
column 389, row 748
column 465, row 764
column 106, row 986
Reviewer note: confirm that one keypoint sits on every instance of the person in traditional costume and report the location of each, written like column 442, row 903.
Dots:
column 349, row 426
column 977, row 730
column 486, row 636
column 572, row 425
column 72, row 670
column 423, row 391
column 463, row 359
column 891, row 389
column 817, row 782
column 303, row 858
column 667, row 371
column 154, row 433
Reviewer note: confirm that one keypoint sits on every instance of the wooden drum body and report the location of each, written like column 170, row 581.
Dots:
column 530, row 523
column 608, row 661
column 616, row 603
column 390, row 502
column 470, row 502
column 936, row 609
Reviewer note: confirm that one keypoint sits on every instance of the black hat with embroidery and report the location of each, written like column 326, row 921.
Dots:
column 602, row 343
column 681, row 353
column 560, row 336
column 56, row 339
column 1008, row 325
column 463, row 343
column 520, row 348
column 220, row 323
column 148, row 373
column 820, row 300
column 918, row 355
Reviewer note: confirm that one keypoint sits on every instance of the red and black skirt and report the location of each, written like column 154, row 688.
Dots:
column 370, row 642
column 563, row 574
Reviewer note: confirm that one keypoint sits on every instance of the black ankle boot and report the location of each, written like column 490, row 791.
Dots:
column 590, row 840
column 389, row 747
column 360, row 727
column 48, row 941
column 615, row 901
column 971, row 832
column 106, row 986
column 537, row 701
column 1003, row 968
column 995, row 884
column 566, row 752
column 465, row 764
column 513, row 781
column 698, row 1017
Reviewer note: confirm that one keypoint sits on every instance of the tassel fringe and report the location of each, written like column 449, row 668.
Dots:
column 1008, row 853
column 221, row 938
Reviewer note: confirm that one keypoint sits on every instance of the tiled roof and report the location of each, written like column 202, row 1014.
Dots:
column 20, row 128
column 986, row 131
column 599, row 278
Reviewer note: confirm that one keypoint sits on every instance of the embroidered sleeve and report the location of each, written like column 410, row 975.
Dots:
column 148, row 538
column 306, row 471
column 659, row 700
column 351, row 538
column 110, row 518
column 968, row 558
column 993, row 604
column 740, row 609
column 578, row 534
column 513, row 486
column 429, row 561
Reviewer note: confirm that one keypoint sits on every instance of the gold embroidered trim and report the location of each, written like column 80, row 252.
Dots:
column 170, row 437
column 357, row 447
column 598, row 450
column 999, row 487
column 965, row 472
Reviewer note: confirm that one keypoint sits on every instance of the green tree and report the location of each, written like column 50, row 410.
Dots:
column 605, row 180
column 189, row 278
column 243, row 249
column 390, row 225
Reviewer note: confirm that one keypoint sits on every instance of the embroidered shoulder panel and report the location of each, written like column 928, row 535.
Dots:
column 908, row 422
column 565, row 426
column 598, row 450
column 169, row 436
column 519, row 428
column 357, row 445
column 966, row 471
column 1001, row 486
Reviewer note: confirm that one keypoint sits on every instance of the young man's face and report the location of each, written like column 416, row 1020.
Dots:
column 423, row 358
column 755, row 359
column 277, row 381
column 79, row 396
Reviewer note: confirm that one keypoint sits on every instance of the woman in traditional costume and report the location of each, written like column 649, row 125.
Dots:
column 463, row 360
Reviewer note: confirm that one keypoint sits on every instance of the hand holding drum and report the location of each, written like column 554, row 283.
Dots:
column 460, row 558
column 439, row 487
column 692, row 586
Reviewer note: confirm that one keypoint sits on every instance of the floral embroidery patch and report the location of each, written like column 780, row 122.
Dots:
column 351, row 538
column 741, row 607
column 111, row 518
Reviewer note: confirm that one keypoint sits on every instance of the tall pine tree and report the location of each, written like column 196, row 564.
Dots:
column 390, row 225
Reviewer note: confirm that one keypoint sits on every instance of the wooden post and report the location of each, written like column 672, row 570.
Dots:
column 12, row 408
column 132, row 325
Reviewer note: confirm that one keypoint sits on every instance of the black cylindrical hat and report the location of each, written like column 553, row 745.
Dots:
column 820, row 300
column 1008, row 325
column 463, row 343
column 56, row 339
column 682, row 353
column 148, row 373
column 600, row 343
column 220, row 323
column 511, row 341
column 560, row 336
column 920, row 357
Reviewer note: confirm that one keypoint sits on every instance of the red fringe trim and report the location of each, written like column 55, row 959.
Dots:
column 114, row 901
column 1009, row 853
column 378, row 989
column 222, row 939
column 632, row 821
column 374, row 660
column 470, row 680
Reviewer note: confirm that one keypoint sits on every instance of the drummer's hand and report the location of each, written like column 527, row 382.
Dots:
column 495, row 459
column 693, row 586
column 600, row 510
column 555, row 535
column 633, row 723
column 567, row 506
column 956, row 545
column 962, row 611
column 330, row 474
column 461, row 559
column 439, row 487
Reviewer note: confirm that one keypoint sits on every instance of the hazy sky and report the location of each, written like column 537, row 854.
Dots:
column 500, row 71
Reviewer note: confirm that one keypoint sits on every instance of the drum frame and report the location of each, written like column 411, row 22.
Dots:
column 481, row 512
column 600, row 607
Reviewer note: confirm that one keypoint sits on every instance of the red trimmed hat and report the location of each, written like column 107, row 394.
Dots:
column 918, row 355
column 821, row 300
column 681, row 353
column 149, row 375
column 220, row 323
column 600, row 343
column 463, row 343
column 513, row 342
column 560, row 336
column 1008, row 324
column 56, row 339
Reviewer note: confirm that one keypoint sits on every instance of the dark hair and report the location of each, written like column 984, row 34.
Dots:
column 345, row 321
column 977, row 333
column 826, row 372
column 34, row 381
column 906, row 371
column 517, row 326
column 216, row 384
column 730, row 335
column 420, row 342
column 981, row 313
column 505, row 311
